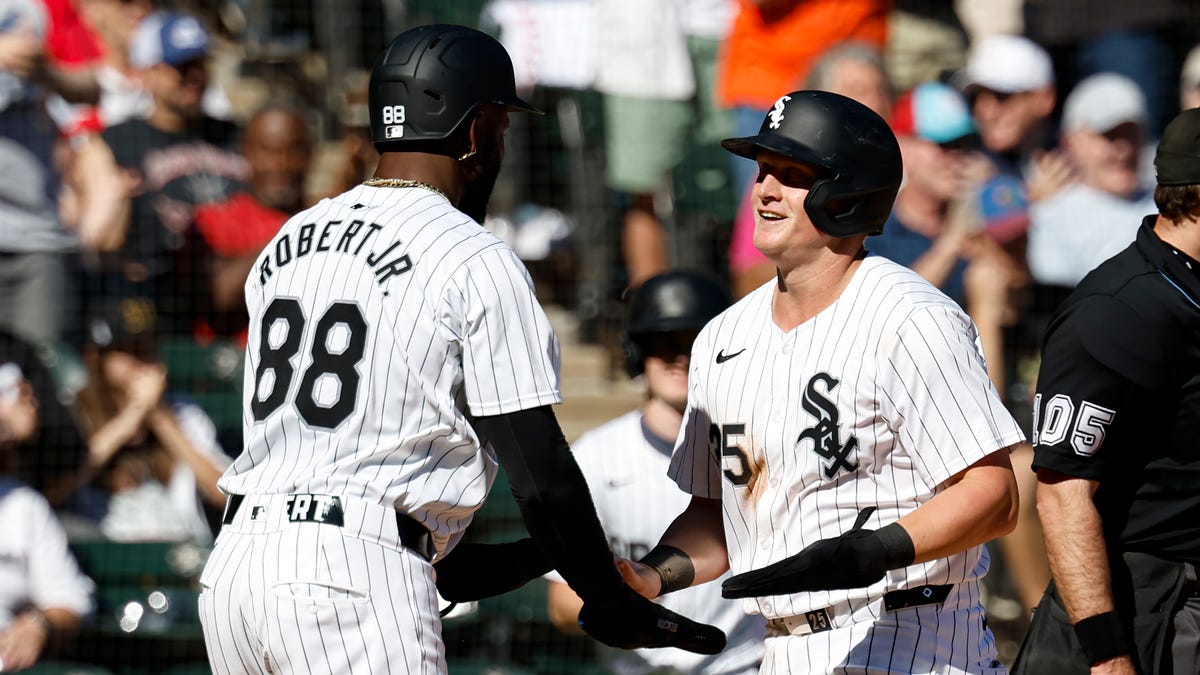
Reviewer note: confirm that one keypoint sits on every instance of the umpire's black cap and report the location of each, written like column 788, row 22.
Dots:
column 1177, row 161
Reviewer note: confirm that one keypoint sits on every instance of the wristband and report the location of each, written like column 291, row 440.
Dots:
column 1102, row 637
column 673, row 565
column 898, row 549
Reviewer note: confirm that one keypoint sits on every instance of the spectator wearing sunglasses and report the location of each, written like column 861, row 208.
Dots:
column 935, row 227
column 144, row 178
column 1009, row 82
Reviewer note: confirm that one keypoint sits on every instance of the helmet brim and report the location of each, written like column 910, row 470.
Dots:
column 750, row 146
column 517, row 105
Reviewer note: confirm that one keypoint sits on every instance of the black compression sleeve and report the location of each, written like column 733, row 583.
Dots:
column 553, row 497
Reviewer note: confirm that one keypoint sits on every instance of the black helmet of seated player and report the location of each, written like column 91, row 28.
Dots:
column 669, row 302
column 853, row 149
column 427, row 84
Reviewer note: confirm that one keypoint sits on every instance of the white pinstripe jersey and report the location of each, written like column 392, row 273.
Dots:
column 378, row 319
column 626, row 471
column 875, row 401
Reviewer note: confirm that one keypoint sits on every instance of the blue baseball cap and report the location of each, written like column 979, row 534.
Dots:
column 173, row 38
column 1004, row 207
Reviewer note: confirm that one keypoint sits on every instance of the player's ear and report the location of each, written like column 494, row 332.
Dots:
column 475, row 133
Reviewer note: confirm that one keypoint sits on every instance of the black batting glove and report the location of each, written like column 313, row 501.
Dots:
column 477, row 571
column 853, row 560
column 626, row 620
column 856, row 559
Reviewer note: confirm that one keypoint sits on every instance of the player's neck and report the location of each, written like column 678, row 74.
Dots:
column 1183, row 235
column 436, row 170
column 802, row 292
column 165, row 119
column 661, row 418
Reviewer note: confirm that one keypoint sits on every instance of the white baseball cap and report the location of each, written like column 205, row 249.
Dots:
column 1189, row 75
column 1008, row 64
column 1103, row 101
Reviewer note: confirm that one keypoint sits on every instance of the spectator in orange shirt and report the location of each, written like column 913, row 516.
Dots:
column 773, row 44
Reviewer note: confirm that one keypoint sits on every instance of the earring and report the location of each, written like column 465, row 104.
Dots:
column 469, row 153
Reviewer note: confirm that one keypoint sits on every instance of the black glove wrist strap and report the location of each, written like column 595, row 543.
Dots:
column 898, row 549
column 1102, row 637
column 673, row 565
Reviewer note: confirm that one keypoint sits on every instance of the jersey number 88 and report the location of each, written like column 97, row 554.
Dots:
column 341, row 365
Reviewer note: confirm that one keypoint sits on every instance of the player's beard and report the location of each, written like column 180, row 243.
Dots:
column 479, row 191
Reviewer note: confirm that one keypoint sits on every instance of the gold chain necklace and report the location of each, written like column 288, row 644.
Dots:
column 402, row 183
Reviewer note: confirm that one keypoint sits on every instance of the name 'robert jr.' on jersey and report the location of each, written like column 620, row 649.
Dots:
column 874, row 402
column 380, row 321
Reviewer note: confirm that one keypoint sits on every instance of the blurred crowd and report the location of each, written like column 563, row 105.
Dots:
column 139, row 180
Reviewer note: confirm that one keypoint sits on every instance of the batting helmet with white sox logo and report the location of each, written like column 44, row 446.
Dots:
column 853, row 149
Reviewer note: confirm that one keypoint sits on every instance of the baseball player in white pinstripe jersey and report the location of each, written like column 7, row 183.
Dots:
column 846, row 452
column 625, row 463
column 396, row 352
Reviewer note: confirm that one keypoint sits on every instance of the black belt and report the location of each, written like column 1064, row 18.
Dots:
column 916, row 597
column 818, row 620
column 327, row 510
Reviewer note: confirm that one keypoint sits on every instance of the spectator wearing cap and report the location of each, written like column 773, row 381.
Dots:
column 1189, row 80
column 144, row 178
column 1096, row 214
column 155, row 460
column 1009, row 81
column 962, row 228
column 933, row 226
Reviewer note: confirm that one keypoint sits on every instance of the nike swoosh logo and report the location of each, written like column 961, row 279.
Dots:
column 722, row 357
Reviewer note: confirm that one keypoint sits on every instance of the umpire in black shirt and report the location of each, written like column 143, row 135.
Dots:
column 1117, row 447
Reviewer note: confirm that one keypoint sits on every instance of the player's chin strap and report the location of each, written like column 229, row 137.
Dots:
column 449, row 608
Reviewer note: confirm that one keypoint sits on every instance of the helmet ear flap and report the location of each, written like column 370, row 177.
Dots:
column 634, row 358
column 815, row 203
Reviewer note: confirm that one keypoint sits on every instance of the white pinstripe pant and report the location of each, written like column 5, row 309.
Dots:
column 283, row 597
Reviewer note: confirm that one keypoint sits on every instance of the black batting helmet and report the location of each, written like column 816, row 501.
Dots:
column 671, row 301
column 429, row 80
column 853, row 148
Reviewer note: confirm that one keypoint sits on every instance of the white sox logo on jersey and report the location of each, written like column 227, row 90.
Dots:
column 776, row 113
column 825, row 434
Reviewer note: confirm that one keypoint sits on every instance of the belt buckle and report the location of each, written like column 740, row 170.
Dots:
column 816, row 621
column 309, row 508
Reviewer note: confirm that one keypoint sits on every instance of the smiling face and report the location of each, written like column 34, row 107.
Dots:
column 1007, row 121
column 781, row 225
column 1107, row 161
